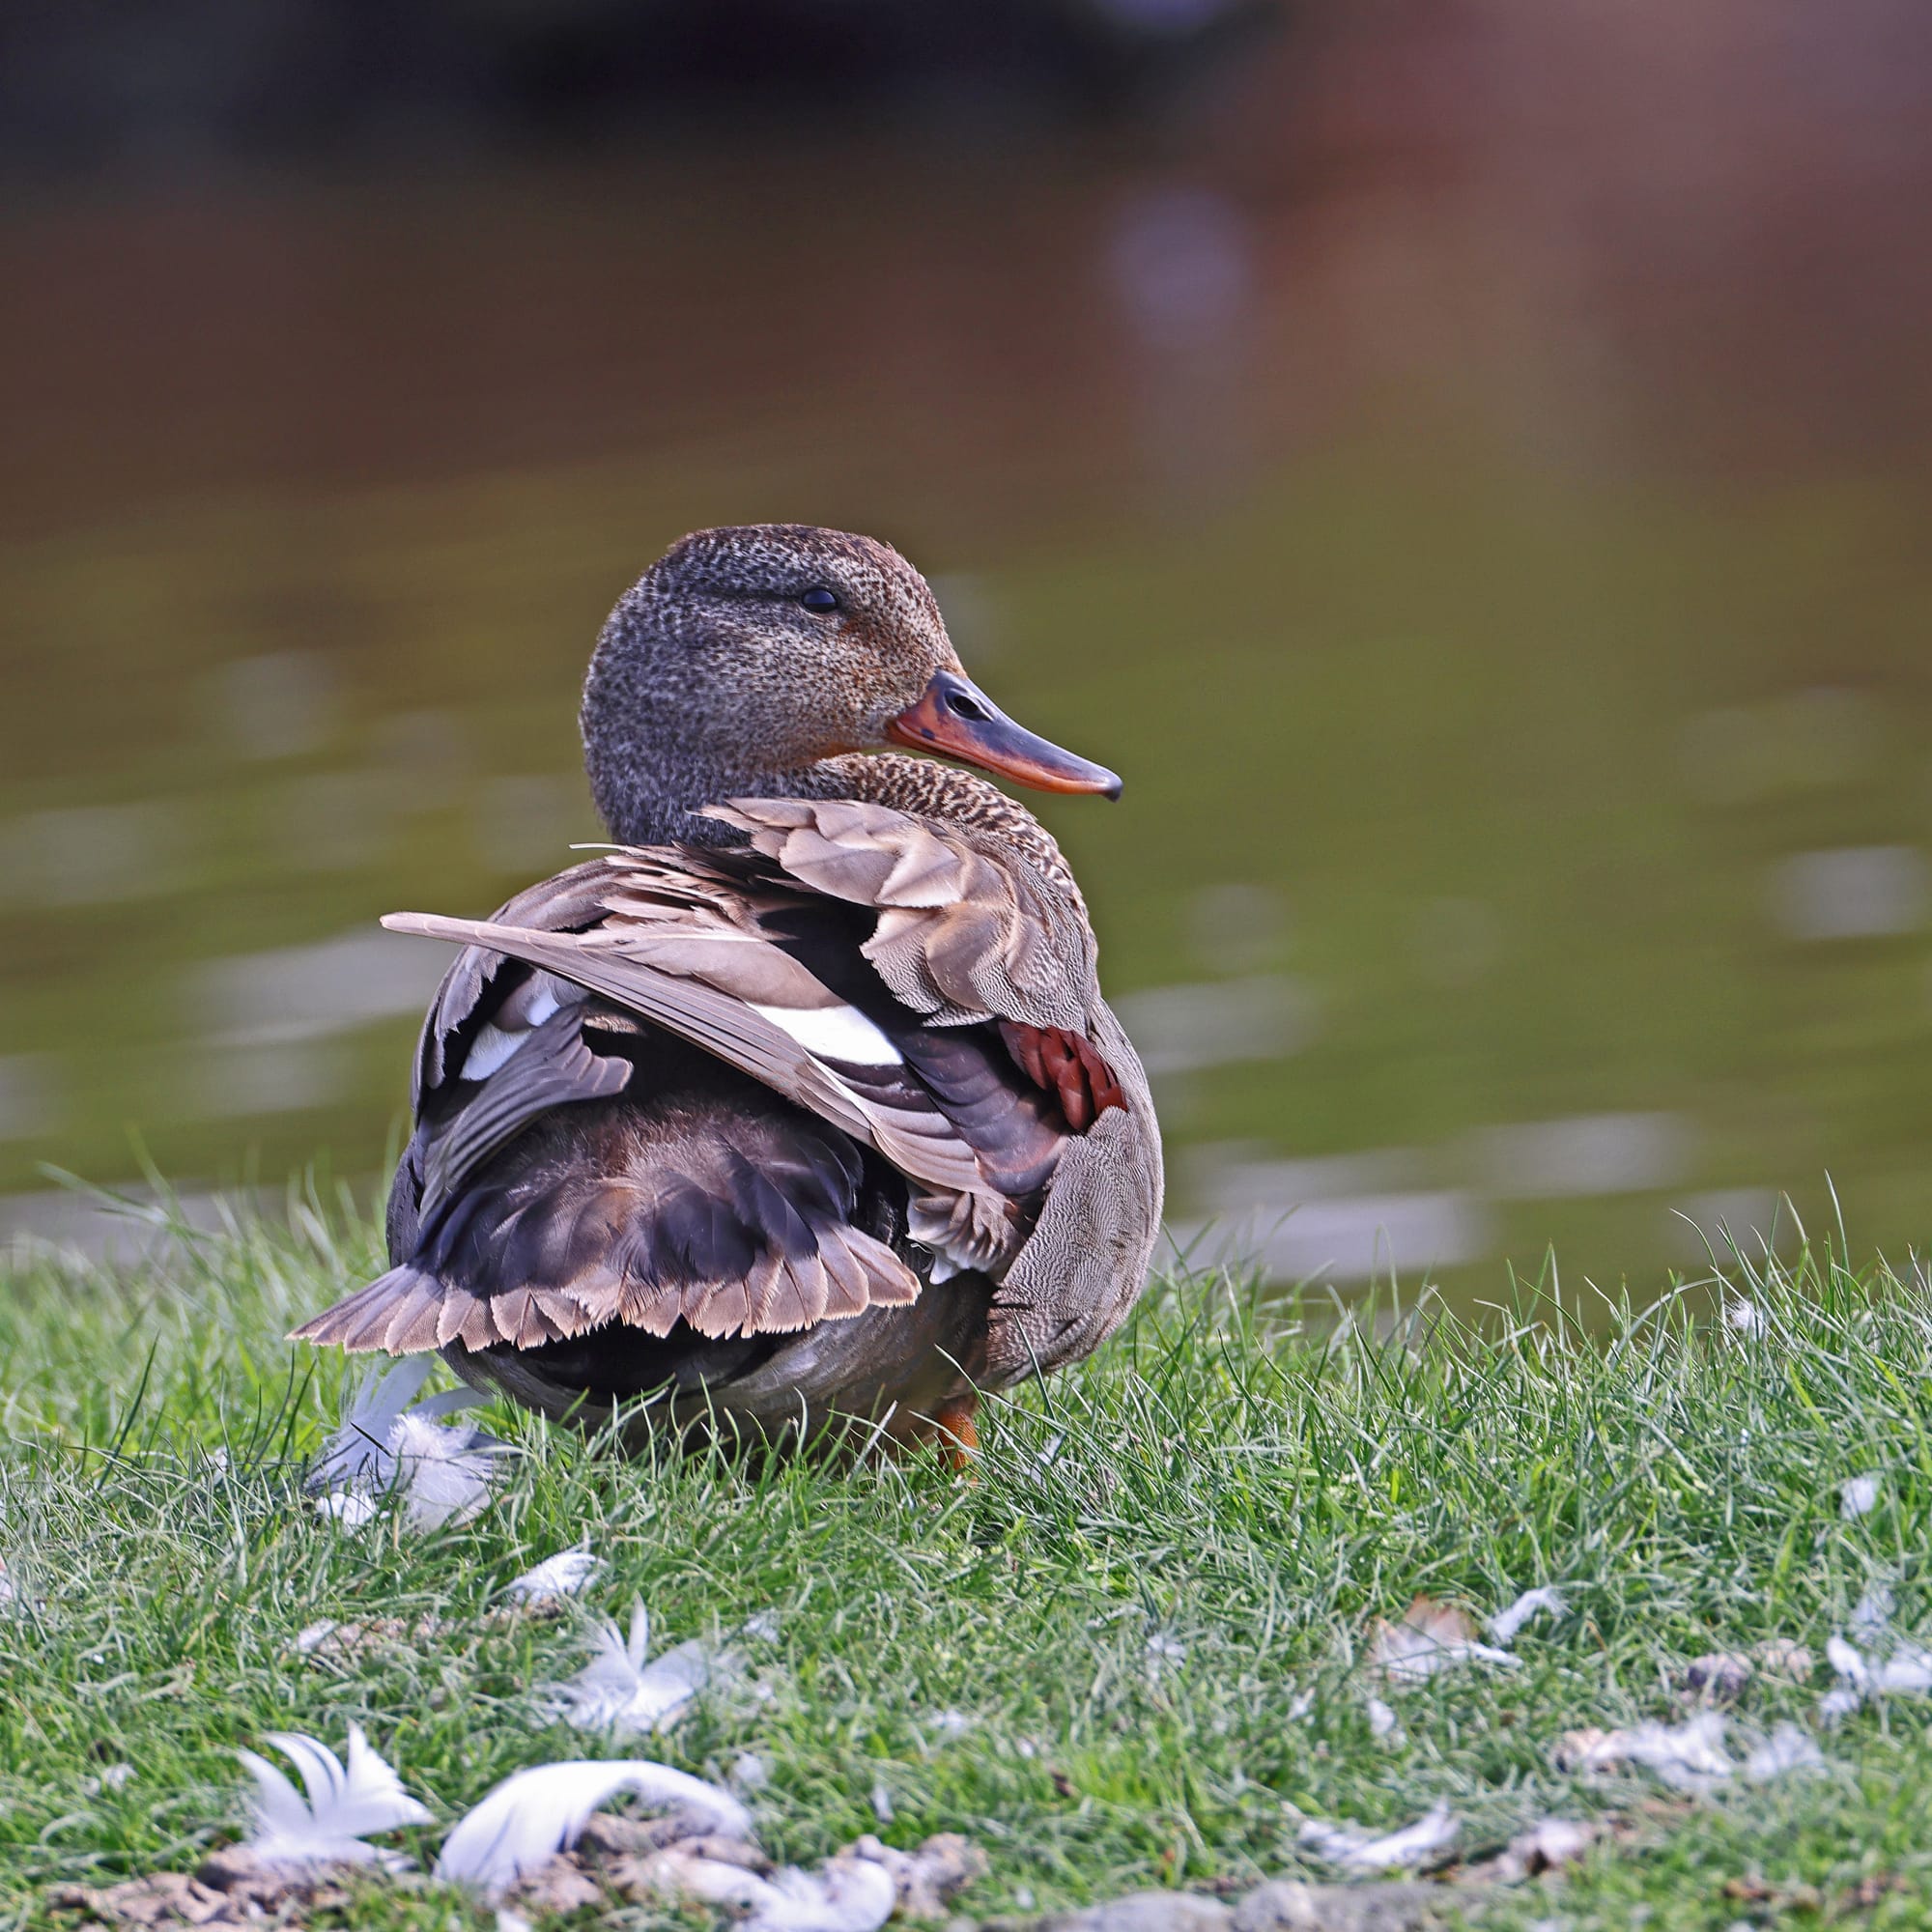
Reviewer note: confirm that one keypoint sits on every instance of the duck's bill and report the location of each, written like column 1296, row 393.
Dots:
column 958, row 720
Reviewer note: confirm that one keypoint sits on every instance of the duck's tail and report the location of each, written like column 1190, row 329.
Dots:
column 399, row 1312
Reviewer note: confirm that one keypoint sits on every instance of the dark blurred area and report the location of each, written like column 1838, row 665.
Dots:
column 1465, row 463
column 225, row 83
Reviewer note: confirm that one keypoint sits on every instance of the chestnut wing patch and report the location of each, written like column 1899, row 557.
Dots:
column 1067, row 1066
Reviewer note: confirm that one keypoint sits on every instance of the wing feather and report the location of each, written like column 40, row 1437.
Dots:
column 606, row 962
column 959, row 928
column 969, row 929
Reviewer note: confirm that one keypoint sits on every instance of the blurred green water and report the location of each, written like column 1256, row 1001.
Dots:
column 1463, row 861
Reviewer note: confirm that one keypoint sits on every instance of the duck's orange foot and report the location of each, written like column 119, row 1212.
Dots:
column 959, row 1437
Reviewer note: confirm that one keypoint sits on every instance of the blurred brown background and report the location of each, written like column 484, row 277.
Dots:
column 1465, row 462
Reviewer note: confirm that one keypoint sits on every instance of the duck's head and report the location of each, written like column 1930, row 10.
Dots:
column 745, row 658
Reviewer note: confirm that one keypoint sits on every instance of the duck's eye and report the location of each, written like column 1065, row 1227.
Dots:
column 819, row 600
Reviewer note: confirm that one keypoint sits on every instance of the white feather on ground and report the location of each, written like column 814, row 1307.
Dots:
column 1163, row 1653
column 1906, row 1671
column 1505, row 1624
column 343, row 1804
column 1746, row 1318
column 372, row 1405
column 1858, row 1497
column 1547, row 1845
column 563, row 1574
column 1354, row 1849
column 443, row 1472
column 1690, row 1756
column 1898, row 1666
column 1834, row 1706
column 351, row 1508
column 1871, row 1614
column 1431, row 1637
column 845, row 1894
column 618, row 1690
column 534, row 1815
column 1788, row 1749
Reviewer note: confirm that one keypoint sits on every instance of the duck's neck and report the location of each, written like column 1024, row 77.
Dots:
column 665, row 805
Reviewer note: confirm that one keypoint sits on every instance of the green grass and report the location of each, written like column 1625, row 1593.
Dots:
column 1254, row 1485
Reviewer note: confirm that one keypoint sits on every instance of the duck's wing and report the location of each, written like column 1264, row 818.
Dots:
column 967, row 928
column 974, row 924
column 735, row 1221
column 767, row 975
column 751, row 1007
column 896, row 979
column 484, row 1011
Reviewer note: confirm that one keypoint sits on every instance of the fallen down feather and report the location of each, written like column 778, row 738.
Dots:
column 358, row 1453
column 1690, row 1756
column 1908, row 1669
column 1431, row 1637
column 535, row 1814
column 1788, row 1749
column 443, row 1472
column 1505, row 1624
column 1746, row 1318
column 845, row 1894
column 342, row 1804
column 1354, row 1849
column 1164, row 1652
column 351, row 1507
column 1547, row 1845
column 1858, row 1497
column 1871, row 1614
column 1834, row 1706
column 926, row 1879
column 618, row 1690
column 563, row 1574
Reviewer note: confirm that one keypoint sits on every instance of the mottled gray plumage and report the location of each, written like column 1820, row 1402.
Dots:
column 727, row 1118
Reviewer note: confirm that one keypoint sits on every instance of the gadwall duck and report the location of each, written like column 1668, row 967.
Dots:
column 802, row 1103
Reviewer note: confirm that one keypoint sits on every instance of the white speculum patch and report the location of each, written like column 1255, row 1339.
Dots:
column 526, row 1010
column 489, row 1050
column 835, row 1032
